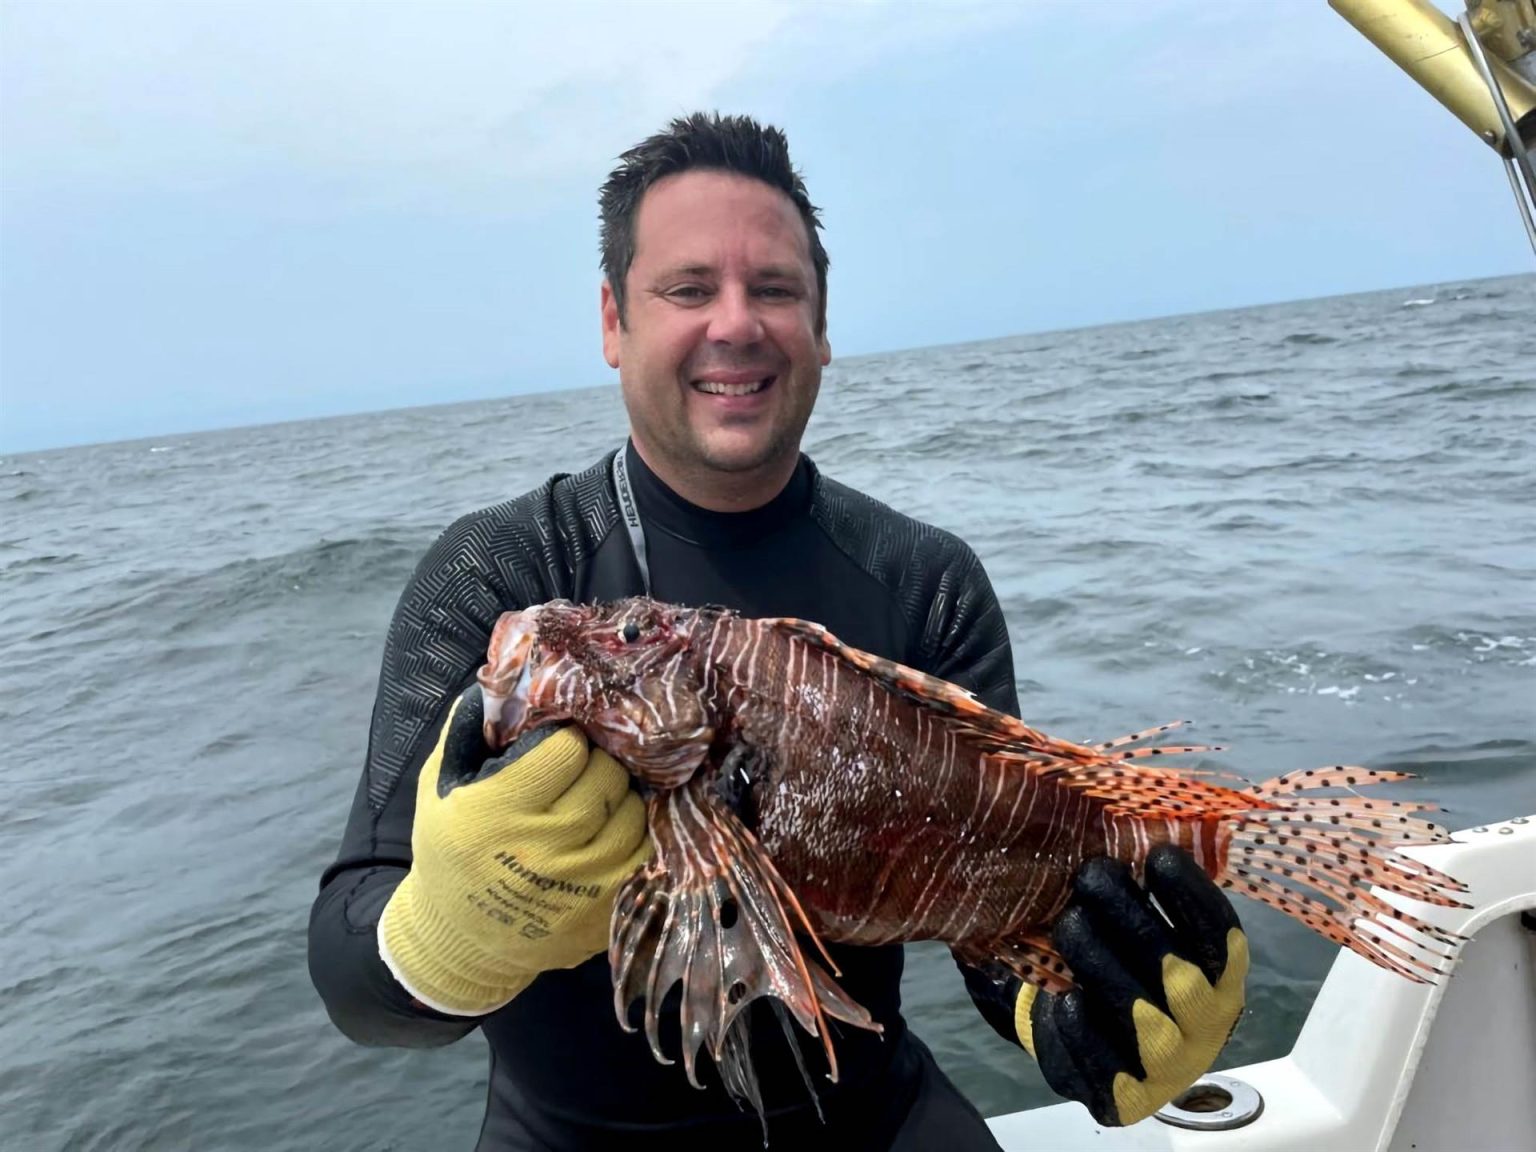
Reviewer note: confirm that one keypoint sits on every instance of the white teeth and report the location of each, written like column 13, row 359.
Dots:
column 718, row 388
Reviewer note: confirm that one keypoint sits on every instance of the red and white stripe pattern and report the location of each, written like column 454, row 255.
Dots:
column 897, row 807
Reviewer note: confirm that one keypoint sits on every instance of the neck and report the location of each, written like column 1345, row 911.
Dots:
column 719, row 491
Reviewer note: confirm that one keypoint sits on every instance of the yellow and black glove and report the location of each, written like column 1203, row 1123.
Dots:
column 1157, row 996
column 516, row 862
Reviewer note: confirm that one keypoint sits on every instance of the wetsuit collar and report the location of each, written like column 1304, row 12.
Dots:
column 666, row 511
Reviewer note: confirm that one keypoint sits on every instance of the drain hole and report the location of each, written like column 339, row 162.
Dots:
column 727, row 913
column 1212, row 1104
column 1203, row 1098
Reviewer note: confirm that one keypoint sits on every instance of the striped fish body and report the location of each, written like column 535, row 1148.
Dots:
column 893, row 822
column 801, row 790
column 889, row 821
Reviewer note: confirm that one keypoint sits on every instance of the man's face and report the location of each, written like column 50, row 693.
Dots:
column 719, row 359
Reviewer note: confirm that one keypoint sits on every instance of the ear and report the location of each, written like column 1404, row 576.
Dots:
column 612, row 326
column 823, row 344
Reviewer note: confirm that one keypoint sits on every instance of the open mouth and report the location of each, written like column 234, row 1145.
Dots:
column 733, row 388
column 506, row 679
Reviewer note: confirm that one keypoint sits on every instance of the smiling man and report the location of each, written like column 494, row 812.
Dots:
column 473, row 890
column 718, row 332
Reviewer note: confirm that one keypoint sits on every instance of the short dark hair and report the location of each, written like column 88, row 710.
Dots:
column 701, row 141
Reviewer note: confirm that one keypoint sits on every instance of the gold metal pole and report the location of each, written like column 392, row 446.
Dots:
column 1423, row 42
column 1507, row 29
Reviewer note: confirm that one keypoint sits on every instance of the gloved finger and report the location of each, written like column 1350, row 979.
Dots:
column 628, row 827
column 615, row 779
column 584, row 809
column 618, row 846
column 464, row 747
column 1107, row 991
column 516, row 750
column 531, row 780
column 1199, row 911
column 1071, row 1063
column 1112, row 937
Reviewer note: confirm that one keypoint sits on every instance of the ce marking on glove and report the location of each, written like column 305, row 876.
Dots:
column 503, row 911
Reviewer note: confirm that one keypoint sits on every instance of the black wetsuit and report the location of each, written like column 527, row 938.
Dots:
column 564, row 1076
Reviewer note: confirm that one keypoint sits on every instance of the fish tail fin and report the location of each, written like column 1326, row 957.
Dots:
column 1326, row 860
column 711, row 912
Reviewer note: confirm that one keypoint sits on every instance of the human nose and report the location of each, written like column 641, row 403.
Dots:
column 734, row 319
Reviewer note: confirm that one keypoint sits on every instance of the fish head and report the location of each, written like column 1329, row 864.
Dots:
column 627, row 673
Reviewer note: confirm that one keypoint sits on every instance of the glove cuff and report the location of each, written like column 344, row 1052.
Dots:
column 437, row 965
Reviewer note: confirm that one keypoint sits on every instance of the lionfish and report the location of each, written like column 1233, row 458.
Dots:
column 882, row 804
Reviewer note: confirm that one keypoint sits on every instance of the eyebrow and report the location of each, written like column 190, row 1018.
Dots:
column 766, row 272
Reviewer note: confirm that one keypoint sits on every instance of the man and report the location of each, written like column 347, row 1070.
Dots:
column 474, row 890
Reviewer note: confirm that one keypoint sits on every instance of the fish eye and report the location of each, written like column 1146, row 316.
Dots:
column 630, row 632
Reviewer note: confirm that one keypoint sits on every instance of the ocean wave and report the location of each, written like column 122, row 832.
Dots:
column 1241, row 400
column 988, row 441
column 1309, row 338
column 58, row 798
column 173, row 601
column 1223, row 374
column 1464, row 391
column 1514, row 645
column 1318, row 462
column 1206, row 509
column 1035, row 609
column 354, row 562
column 196, row 942
column 1312, row 670
column 1468, row 318
column 46, row 563
column 1246, row 522
column 1471, row 782
column 1514, row 754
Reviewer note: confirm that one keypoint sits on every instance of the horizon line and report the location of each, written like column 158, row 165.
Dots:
column 10, row 453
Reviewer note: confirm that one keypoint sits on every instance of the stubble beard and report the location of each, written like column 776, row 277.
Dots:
column 780, row 446
column 781, row 442
column 687, row 450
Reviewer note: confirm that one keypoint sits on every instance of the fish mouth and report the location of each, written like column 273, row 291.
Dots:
column 506, row 678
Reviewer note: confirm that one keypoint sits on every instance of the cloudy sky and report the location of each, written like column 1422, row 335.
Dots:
column 225, row 212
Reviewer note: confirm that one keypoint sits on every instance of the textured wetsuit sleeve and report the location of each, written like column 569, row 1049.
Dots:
column 968, row 637
column 436, row 642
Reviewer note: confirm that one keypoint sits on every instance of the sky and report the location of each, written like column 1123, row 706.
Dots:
column 221, row 212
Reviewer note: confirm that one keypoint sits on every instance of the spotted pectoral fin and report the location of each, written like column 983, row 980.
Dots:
column 712, row 912
column 1030, row 956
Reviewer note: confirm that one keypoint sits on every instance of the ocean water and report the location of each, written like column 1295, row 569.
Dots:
column 1310, row 527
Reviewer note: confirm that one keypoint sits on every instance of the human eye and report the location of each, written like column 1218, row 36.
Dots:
column 687, row 293
column 779, row 284
column 780, row 291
